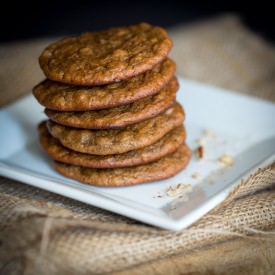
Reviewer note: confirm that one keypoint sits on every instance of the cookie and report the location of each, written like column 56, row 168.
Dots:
column 166, row 145
column 164, row 168
column 119, row 116
column 107, row 56
column 64, row 97
column 117, row 141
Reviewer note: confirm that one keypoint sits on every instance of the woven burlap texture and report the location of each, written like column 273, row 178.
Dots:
column 44, row 233
column 48, row 234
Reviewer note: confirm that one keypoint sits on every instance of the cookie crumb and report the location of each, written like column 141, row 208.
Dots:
column 189, row 187
column 158, row 196
column 200, row 141
column 172, row 192
column 226, row 159
column 200, row 152
column 209, row 133
column 179, row 190
column 196, row 175
column 179, row 186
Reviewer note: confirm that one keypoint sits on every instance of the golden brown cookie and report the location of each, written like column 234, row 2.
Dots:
column 166, row 145
column 107, row 56
column 119, row 116
column 64, row 97
column 117, row 141
column 164, row 168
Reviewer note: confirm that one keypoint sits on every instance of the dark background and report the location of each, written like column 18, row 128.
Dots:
column 25, row 20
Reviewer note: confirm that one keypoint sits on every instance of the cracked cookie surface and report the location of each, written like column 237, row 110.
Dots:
column 120, row 116
column 106, row 56
column 166, row 145
column 117, row 141
column 163, row 168
column 64, row 97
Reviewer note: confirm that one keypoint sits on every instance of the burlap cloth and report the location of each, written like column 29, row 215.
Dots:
column 44, row 233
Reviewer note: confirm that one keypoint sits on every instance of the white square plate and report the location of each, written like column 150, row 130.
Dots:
column 226, row 122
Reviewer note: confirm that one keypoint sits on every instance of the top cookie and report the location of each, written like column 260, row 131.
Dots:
column 107, row 56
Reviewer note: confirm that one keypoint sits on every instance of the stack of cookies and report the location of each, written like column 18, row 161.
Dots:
column 110, row 99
